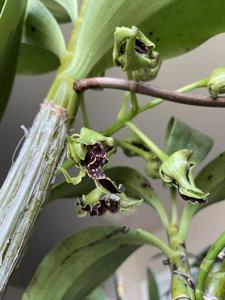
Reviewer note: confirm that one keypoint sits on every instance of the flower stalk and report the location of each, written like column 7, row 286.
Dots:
column 125, row 117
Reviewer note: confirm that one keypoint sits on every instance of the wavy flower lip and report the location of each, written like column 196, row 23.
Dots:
column 193, row 200
column 95, row 159
column 90, row 152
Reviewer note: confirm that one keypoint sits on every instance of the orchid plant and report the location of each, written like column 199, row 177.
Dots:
column 136, row 36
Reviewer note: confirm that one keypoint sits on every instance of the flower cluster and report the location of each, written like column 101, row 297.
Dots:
column 90, row 151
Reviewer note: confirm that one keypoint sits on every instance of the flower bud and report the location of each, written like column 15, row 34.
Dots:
column 133, row 51
column 153, row 166
column 177, row 170
column 216, row 83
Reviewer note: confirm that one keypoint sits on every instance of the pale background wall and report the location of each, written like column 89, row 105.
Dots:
column 58, row 219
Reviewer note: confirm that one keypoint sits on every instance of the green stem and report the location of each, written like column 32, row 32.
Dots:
column 150, row 239
column 123, row 109
column 186, row 217
column 84, row 113
column 156, row 204
column 120, row 123
column 153, row 201
column 215, row 282
column 174, row 213
column 133, row 148
column 133, row 97
column 61, row 93
column 182, row 286
column 155, row 149
column 207, row 264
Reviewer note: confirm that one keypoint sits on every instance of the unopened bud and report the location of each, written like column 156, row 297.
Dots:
column 134, row 52
column 216, row 83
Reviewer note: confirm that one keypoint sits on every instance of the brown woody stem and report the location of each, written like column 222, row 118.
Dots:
column 146, row 89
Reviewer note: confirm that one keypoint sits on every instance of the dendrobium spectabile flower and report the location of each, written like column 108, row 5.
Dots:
column 90, row 151
column 134, row 52
column 177, row 170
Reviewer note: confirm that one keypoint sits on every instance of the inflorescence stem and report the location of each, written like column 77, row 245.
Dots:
column 147, row 89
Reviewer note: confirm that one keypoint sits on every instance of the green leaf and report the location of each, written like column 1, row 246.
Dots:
column 11, row 24
column 181, row 136
column 166, row 22
column 97, row 294
column 43, row 44
column 81, row 262
column 63, row 10
column 212, row 179
column 153, row 292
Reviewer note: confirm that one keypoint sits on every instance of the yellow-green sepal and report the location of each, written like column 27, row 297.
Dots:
column 90, row 137
column 93, row 196
column 77, row 144
column 127, row 203
column 73, row 180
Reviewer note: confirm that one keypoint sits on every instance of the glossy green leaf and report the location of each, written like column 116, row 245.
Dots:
column 81, row 262
column 212, row 178
column 43, row 44
column 181, row 136
column 11, row 23
column 63, row 10
column 97, row 294
column 170, row 24
column 153, row 292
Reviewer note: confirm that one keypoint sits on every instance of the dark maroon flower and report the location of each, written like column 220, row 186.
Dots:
column 95, row 159
column 106, row 203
